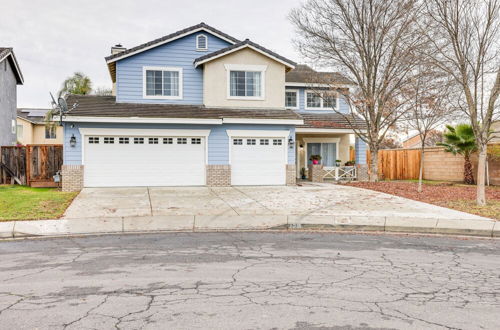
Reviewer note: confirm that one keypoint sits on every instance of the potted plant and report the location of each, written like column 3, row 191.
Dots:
column 350, row 163
column 303, row 173
column 338, row 162
column 315, row 159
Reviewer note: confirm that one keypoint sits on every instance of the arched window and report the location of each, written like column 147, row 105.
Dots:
column 201, row 42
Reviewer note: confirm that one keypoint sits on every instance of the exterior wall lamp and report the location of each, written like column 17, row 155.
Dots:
column 72, row 141
column 290, row 143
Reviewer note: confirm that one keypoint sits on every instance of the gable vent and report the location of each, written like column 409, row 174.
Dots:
column 201, row 42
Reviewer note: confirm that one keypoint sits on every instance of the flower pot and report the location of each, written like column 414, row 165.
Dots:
column 315, row 161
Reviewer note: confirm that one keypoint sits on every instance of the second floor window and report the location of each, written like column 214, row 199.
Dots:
column 50, row 132
column 245, row 84
column 322, row 101
column 291, row 99
column 163, row 83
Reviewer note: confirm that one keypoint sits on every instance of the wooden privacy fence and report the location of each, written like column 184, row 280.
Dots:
column 397, row 164
column 33, row 165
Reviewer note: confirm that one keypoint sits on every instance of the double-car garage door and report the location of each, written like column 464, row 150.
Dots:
column 128, row 160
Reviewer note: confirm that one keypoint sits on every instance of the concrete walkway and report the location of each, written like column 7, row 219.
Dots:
column 313, row 206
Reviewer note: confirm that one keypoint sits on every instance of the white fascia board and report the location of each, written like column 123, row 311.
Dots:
column 142, row 120
column 263, row 121
column 299, row 84
column 325, row 130
column 144, row 132
column 169, row 40
column 257, row 133
column 246, row 46
column 16, row 67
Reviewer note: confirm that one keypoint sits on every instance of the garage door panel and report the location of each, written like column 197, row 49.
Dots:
column 258, row 164
column 143, row 164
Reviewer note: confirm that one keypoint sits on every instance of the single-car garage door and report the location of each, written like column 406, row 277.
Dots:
column 258, row 161
column 121, row 161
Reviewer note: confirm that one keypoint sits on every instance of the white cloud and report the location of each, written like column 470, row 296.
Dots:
column 52, row 39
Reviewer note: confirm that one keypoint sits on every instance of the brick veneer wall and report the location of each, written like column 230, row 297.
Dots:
column 316, row 173
column 291, row 175
column 218, row 175
column 72, row 177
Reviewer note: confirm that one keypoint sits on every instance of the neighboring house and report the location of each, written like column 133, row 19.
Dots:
column 199, row 107
column 32, row 128
column 10, row 77
column 415, row 141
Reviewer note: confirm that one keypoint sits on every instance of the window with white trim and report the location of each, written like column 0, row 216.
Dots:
column 168, row 140
column 291, row 99
column 93, row 140
column 237, row 142
column 201, row 42
column 123, row 140
column 163, row 83
column 323, row 101
column 277, row 142
column 138, row 140
column 195, row 140
column 181, row 141
column 152, row 140
column 264, row 142
column 19, row 132
column 245, row 84
column 109, row 140
column 50, row 132
column 251, row 142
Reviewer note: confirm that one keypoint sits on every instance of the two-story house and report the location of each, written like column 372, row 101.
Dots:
column 199, row 107
column 10, row 77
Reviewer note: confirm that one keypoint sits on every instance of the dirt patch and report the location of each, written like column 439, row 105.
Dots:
column 455, row 196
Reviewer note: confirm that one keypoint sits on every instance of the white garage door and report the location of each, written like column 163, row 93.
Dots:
column 121, row 161
column 258, row 161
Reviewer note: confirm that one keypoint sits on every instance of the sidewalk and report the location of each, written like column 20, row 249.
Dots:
column 195, row 223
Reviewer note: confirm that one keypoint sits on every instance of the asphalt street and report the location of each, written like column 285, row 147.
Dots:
column 249, row 280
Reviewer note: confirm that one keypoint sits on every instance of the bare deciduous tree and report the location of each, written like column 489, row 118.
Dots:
column 465, row 39
column 373, row 43
column 430, row 107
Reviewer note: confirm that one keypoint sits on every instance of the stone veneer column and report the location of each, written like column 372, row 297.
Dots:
column 72, row 177
column 362, row 172
column 316, row 173
column 218, row 175
column 291, row 175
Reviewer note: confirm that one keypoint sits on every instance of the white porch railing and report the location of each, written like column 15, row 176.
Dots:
column 346, row 173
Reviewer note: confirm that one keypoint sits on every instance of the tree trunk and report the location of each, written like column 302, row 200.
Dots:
column 421, row 171
column 468, row 176
column 373, row 164
column 481, row 176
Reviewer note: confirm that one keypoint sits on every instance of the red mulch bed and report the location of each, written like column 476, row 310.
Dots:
column 456, row 196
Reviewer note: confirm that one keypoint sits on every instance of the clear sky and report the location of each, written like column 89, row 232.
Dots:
column 54, row 38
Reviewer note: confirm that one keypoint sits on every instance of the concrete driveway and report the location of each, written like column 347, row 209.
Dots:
column 308, row 199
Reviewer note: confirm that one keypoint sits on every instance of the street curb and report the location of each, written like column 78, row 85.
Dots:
column 195, row 223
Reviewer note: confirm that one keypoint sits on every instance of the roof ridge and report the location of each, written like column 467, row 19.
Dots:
column 172, row 35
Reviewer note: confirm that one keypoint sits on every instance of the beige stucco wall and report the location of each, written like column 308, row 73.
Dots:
column 344, row 145
column 215, row 81
column 27, row 137
column 35, row 134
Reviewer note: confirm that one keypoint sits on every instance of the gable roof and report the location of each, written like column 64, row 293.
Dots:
column 35, row 116
column 7, row 53
column 304, row 74
column 241, row 45
column 163, row 40
column 106, row 106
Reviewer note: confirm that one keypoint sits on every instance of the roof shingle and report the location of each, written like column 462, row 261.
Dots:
column 305, row 74
column 331, row 120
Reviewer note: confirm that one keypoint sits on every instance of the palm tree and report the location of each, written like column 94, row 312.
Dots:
column 460, row 140
column 79, row 84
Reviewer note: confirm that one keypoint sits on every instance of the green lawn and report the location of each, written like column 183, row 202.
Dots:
column 25, row 203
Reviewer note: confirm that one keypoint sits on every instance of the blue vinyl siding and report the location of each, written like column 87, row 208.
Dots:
column 360, row 150
column 343, row 106
column 218, row 140
column 179, row 53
